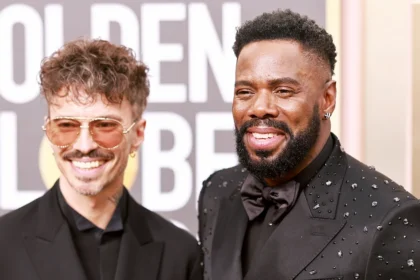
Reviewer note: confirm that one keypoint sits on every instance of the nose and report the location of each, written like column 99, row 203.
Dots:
column 264, row 106
column 84, row 142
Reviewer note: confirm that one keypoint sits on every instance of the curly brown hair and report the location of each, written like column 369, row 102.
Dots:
column 96, row 68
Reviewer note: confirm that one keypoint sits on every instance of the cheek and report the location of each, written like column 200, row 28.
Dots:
column 239, row 110
column 122, row 153
column 297, row 113
column 120, row 163
column 303, row 119
column 59, row 152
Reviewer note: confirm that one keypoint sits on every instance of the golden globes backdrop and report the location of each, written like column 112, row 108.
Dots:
column 188, row 47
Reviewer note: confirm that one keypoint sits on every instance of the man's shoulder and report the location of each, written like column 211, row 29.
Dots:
column 18, row 220
column 222, row 182
column 229, row 173
column 366, row 185
column 362, row 177
column 166, row 231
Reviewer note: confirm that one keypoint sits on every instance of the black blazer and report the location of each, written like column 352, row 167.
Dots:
column 36, row 244
column 350, row 222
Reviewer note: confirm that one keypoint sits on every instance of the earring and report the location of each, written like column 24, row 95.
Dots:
column 327, row 115
column 133, row 154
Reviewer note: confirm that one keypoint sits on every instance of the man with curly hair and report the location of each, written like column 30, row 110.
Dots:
column 87, row 226
column 298, row 206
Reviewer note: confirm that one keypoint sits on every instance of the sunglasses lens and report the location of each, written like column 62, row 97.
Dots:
column 62, row 132
column 107, row 133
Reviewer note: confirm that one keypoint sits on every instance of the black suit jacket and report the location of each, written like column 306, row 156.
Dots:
column 36, row 244
column 350, row 222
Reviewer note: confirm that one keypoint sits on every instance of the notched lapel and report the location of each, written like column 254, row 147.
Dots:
column 140, row 255
column 138, row 261
column 50, row 244
column 56, row 258
column 228, row 238
column 323, row 192
column 297, row 240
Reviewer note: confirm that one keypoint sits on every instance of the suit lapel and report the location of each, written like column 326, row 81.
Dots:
column 323, row 192
column 308, row 228
column 297, row 240
column 228, row 238
column 51, row 247
column 140, row 255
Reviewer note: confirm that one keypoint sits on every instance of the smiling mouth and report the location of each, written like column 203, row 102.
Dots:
column 87, row 165
column 264, row 140
column 263, row 135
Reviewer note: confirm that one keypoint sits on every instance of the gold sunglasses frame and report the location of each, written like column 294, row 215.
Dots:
column 124, row 132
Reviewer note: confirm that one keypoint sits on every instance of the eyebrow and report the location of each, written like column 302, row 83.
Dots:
column 243, row 83
column 271, row 82
column 285, row 80
column 109, row 116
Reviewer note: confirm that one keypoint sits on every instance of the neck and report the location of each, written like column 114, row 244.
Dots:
column 319, row 145
column 98, row 208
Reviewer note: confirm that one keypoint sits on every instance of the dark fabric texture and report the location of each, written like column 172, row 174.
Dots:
column 350, row 222
column 36, row 243
column 266, row 206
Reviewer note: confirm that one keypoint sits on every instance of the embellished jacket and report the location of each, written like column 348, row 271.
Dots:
column 350, row 222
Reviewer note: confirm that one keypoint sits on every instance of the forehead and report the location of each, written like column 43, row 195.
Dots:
column 83, row 107
column 275, row 58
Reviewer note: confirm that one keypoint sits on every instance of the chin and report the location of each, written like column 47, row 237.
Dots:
column 87, row 188
column 263, row 155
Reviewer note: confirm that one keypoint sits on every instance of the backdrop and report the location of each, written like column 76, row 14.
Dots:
column 188, row 47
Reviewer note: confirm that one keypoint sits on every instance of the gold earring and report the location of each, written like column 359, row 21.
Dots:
column 133, row 154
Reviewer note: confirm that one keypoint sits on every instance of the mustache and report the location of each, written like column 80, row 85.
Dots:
column 91, row 154
column 268, row 123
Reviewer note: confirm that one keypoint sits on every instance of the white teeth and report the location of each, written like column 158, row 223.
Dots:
column 263, row 135
column 87, row 165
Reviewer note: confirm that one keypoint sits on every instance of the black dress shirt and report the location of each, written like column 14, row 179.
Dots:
column 260, row 228
column 98, row 249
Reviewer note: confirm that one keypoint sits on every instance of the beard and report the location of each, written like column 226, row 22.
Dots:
column 295, row 152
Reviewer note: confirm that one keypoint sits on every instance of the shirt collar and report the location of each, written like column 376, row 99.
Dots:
column 80, row 223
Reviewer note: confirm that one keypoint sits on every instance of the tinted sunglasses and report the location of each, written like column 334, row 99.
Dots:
column 64, row 131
